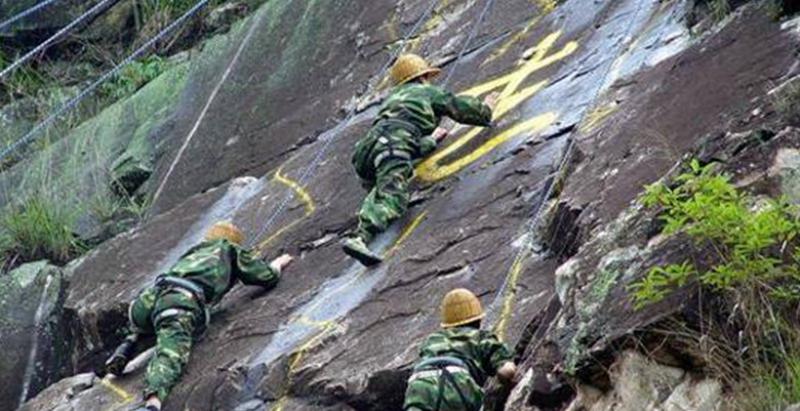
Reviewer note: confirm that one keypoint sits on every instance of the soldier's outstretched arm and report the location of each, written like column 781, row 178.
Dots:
column 252, row 270
column 463, row 109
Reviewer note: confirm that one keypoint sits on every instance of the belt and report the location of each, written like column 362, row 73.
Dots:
column 437, row 372
column 391, row 123
column 441, row 361
column 391, row 153
column 182, row 285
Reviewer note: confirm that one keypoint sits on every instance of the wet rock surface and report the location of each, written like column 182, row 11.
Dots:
column 535, row 216
column 32, row 331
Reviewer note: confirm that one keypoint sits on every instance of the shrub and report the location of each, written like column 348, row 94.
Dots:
column 750, row 259
column 751, row 241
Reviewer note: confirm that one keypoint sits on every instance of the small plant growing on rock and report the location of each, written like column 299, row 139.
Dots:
column 751, row 241
column 719, row 9
column 135, row 76
column 745, row 250
column 39, row 229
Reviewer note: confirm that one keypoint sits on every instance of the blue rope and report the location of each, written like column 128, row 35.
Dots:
column 52, row 39
column 72, row 103
column 25, row 13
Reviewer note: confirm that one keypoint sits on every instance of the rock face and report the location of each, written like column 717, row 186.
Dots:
column 31, row 330
column 640, row 384
column 535, row 215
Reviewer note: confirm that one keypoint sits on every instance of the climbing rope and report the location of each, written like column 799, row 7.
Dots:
column 486, row 8
column 314, row 164
column 92, row 12
column 72, row 103
column 26, row 13
column 553, row 179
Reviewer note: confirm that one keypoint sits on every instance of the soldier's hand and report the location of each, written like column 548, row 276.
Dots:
column 281, row 262
column 492, row 99
column 440, row 134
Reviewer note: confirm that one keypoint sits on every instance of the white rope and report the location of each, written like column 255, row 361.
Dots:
column 26, row 13
column 72, row 103
column 99, row 7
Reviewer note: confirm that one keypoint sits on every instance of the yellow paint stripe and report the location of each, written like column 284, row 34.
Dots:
column 511, row 293
column 303, row 195
column 301, row 192
column 327, row 326
column 119, row 391
column 430, row 171
column 296, row 360
column 597, row 116
column 407, row 232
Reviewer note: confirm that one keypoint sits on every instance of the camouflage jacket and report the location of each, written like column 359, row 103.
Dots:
column 216, row 265
column 424, row 105
column 483, row 352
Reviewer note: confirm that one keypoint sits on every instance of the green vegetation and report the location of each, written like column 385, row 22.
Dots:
column 23, row 82
column 787, row 102
column 751, row 241
column 134, row 76
column 719, row 9
column 39, row 229
column 744, row 251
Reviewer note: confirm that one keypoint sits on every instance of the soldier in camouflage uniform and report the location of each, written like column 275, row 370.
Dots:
column 405, row 131
column 456, row 361
column 175, row 308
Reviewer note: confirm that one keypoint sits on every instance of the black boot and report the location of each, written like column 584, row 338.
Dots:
column 357, row 248
column 115, row 365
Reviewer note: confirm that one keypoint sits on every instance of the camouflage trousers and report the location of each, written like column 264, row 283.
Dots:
column 176, row 319
column 384, row 161
column 423, row 394
column 387, row 200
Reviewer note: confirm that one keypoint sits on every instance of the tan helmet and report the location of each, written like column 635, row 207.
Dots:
column 409, row 67
column 226, row 230
column 460, row 307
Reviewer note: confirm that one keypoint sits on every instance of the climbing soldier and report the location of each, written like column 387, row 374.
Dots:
column 175, row 308
column 406, row 130
column 456, row 361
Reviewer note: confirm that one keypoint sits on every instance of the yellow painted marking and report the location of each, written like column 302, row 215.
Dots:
column 314, row 323
column 546, row 5
column 407, row 231
column 303, row 195
column 119, row 391
column 516, row 38
column 327, row 326
column 511, row 96
column 308, row 202
column 597, row 116
column 295, row 362
column 511, row 293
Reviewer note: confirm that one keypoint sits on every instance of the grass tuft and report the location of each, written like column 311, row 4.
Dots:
column 39, row 229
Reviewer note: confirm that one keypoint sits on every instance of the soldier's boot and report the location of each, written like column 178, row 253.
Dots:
column 115, row 365
column 356, row 247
